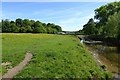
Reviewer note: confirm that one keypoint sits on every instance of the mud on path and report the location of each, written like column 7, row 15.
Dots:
column 12, row 72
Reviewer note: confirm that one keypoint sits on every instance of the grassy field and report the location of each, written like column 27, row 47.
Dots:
column 54, row 56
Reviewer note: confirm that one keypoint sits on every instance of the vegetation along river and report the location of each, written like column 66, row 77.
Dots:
column 104, row 55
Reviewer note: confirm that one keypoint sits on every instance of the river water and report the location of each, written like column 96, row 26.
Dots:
column 105, row 55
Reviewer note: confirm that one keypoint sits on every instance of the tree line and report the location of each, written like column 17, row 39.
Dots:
column 107, row 22
column 28, row 26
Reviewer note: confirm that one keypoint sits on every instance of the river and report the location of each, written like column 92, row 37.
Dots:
column 104, row 55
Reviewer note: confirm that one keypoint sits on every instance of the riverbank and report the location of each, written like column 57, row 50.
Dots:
column 106, row 40
column 103, row 54
column 103, row 60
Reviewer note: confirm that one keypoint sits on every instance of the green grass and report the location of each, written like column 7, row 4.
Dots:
column 54, row 56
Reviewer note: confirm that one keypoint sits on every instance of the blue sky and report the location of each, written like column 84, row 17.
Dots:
column 71, row 16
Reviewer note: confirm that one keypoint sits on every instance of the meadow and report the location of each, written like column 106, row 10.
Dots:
column 54, row 56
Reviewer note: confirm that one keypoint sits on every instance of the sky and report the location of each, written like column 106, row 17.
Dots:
column 58, row 0
column 71, row 16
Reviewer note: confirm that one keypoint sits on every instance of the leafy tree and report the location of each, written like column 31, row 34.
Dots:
column 19, row 22
column 43, row 29
column 26, row 22
column 14, row 28
column 113, row 26
column 43, row 24
column 52, row 28
column 23, row 29
column 49, row 24
column 38, row 28
column 37, row 24
column 32, row 23
column 49, row 30
column 52, row 25
column 58, row 28
column 12, row 22
column 90, row 28
column 105, row 11
column 54, row 31
column 5, row 25
column 29, row 29
column 103, row 15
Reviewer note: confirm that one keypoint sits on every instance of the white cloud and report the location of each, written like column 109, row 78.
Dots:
column 53, row 15
column 51, row 12
column 69, row 19
column 74, row 23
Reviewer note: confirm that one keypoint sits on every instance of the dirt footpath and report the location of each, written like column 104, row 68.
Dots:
column 12, row 72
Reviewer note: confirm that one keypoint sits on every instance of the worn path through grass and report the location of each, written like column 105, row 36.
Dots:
column 12, row 72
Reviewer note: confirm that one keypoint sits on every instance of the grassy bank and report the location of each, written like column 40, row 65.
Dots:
column 54, row 56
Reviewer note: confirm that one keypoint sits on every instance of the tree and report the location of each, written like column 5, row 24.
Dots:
column 32, row 23
column 102, row 14
column 43, row 24
column 14, row 28
column 105, row 11
column 26, row 22
column 38, row 28
column 23, row 29
column 43, row 29
column 113, row 26
column 5, row 25
column 29, row 29
column 52, row 28
column 12, row 22
column 49, row 30
column 19, row 22
column 90, row 28
column 58, row 28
